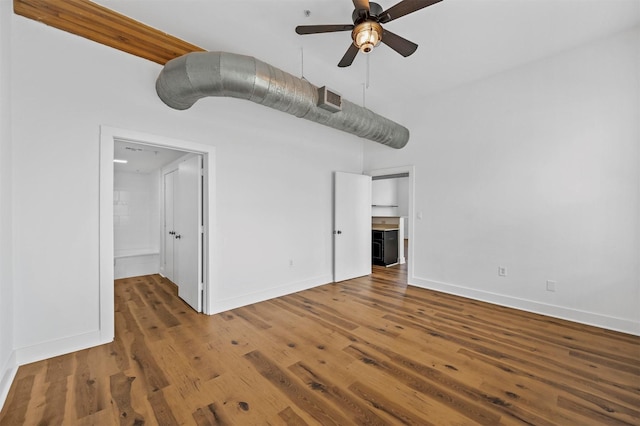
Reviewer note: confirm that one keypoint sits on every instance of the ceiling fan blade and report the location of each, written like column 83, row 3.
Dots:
column 348, row 57
column 361, row 4
column 405, row 7
column 399, row 44
column 316, row 29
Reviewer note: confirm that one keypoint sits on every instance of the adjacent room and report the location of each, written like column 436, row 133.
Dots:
column 320, row 212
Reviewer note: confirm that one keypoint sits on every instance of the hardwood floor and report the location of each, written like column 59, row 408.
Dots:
column 365, row 351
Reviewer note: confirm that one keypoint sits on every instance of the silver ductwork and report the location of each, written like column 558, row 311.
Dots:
column 195, row 75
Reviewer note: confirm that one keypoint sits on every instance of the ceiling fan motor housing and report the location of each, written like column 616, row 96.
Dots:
column 374, row 10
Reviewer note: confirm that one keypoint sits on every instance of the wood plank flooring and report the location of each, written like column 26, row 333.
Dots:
column 368, row 351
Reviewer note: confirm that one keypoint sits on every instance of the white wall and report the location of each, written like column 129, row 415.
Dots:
column 273, row 174
column 384, row 197
column 535, row 169
column 384, row 192
column 136, row 211
column 7, row 359
column 136, row 223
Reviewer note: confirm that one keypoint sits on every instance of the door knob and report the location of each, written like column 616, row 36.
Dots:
column 177, row 236
column 172, row 233
column 337, row 232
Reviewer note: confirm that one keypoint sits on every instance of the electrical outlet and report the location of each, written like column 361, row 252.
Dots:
column 551, row 285
column 502, row 271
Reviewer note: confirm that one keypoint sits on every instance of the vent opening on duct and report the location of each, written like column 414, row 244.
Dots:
column 329, row 100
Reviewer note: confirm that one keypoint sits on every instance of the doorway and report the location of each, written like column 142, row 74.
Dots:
column 396, row 207
column 158, row 219
column 108, row 137
column 137, row 197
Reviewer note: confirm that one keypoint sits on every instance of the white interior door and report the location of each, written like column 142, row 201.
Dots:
column 188, row 219
column 352, row 226
column 169, row 226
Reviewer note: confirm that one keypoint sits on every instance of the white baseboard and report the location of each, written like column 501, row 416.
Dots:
column 569, row 314
column 7, row 374
column 260, row 296
column 41, row 351
column 58, row 347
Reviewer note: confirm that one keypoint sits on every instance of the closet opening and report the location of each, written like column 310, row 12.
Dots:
column 134, row 227
column 158, row 221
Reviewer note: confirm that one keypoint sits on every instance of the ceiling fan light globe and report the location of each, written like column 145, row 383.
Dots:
column 367, row 35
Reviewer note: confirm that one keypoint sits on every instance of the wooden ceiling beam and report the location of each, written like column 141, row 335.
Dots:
column 105, row 26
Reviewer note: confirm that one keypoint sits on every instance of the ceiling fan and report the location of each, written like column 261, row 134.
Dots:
column 367, row 31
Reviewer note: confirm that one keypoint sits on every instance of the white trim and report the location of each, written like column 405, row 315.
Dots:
column 58, row 347
column 223, row 305
column 121, row 254
column 42, row 351
column 9, row 371
column 210, row 272
column 106, row 324
column 574, row 315
column 108, row 135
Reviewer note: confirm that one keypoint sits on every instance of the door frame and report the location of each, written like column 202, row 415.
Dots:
column 108, row 136
column 412, row 214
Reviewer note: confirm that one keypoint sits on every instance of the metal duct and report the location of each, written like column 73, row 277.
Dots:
column 190, row 77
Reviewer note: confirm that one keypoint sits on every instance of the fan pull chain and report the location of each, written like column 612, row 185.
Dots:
column 365, row 85
column 367, row 74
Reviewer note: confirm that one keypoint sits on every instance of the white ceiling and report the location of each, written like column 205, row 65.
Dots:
column 459, row 40
column 142, row 158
